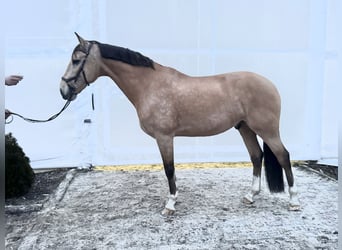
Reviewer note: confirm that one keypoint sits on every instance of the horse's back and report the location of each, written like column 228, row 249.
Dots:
column 250, row 88
column 249, row 81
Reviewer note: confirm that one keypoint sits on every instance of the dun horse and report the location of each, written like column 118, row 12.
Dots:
column 170, row 103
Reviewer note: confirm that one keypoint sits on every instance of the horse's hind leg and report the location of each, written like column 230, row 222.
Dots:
column 255, row 152
column 282, row 155
column 165, row 144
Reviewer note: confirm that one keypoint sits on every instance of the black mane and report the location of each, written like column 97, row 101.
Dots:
column 124, row 55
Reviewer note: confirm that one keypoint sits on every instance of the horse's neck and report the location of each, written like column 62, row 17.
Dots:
column 135, row 81
column 132, row 80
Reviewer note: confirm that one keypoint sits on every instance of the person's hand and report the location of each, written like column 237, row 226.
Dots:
column 7, row 113
column 13, row 80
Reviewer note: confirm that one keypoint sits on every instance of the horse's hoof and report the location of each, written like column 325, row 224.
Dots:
column 294, row 207
column 247, row 199
column 167, row 212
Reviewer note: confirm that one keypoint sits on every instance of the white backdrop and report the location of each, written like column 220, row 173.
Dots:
column 293, row 43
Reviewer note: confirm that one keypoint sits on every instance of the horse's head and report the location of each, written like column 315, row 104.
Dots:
column 82, row 69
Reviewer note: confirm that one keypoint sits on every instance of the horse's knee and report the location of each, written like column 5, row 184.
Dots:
column 169, row 170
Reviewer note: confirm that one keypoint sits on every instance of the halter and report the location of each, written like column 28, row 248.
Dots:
column 79, row 72
column 73, row 88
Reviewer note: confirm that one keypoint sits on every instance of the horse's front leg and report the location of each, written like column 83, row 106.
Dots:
column 165, row 144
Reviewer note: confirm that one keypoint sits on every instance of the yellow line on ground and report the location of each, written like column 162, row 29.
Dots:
column 178, row 166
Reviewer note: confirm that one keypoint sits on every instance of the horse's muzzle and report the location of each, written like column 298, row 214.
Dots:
column 66, row 92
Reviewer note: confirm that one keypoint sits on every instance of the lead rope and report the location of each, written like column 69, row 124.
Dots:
column 39, row 121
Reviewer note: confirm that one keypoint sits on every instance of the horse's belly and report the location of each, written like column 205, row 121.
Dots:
column 197, row 132
column 206, row 126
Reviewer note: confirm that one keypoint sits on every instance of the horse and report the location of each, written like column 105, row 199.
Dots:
column 170, row 103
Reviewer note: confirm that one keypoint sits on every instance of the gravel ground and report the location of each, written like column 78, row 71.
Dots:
column 121, row 210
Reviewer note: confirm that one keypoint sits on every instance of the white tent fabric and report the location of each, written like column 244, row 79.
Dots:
column 293, row 43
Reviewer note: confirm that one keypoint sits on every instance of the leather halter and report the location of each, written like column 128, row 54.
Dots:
column 73, row 79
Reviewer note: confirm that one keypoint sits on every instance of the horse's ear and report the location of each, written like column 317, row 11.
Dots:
column 81, row 40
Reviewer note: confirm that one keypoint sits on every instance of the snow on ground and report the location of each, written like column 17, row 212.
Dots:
column 121, row 210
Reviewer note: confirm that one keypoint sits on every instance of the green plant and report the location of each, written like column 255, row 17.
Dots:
column 19, row 175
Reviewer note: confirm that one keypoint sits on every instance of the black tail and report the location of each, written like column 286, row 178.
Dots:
column 274, row 172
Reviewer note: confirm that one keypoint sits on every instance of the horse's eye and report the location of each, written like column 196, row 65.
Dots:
column 75, row 61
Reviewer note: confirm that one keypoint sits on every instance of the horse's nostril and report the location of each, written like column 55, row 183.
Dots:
column 65, row 94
